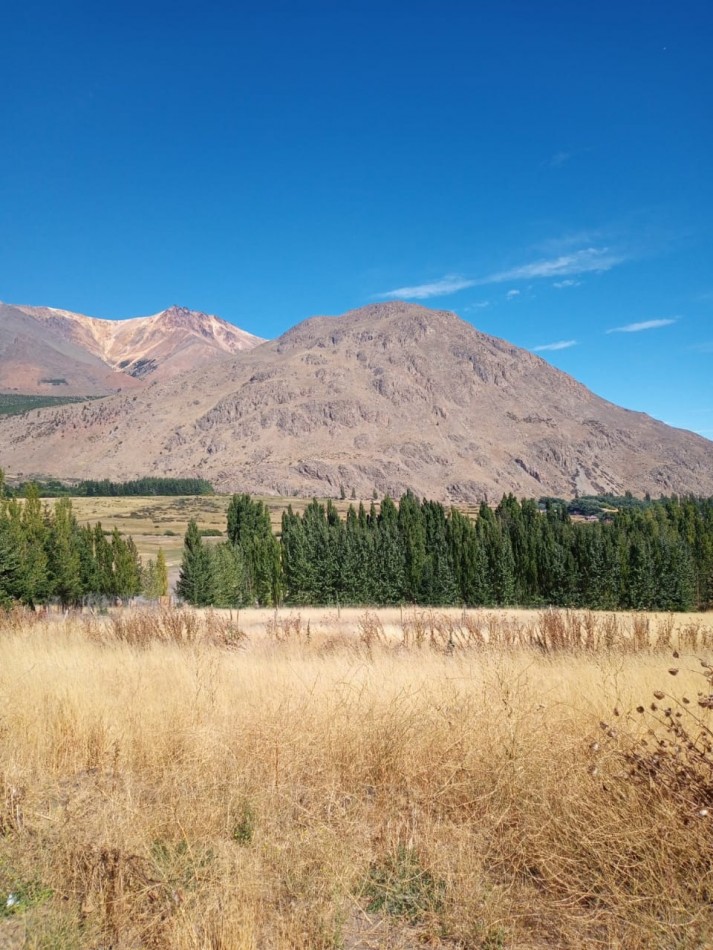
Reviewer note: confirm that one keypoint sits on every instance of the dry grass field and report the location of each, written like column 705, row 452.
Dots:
column 172, row 779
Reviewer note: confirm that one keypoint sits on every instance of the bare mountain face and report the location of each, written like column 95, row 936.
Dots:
column 392, row 396
column 55, row 352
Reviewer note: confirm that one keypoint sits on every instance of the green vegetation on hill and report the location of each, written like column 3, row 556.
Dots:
column 14, row 404
column 654, row 556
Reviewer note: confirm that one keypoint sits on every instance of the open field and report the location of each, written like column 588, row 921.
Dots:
column 184, row 780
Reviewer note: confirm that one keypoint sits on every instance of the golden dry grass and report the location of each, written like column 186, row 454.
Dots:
column 169, row 782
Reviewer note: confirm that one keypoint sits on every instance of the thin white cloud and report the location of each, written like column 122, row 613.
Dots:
column 584, row 261
column 437, row 288
column 569, row 282
column 511, row 294
column 570, row 241
column 643, row 325
column 560, row 345
column 558, row 159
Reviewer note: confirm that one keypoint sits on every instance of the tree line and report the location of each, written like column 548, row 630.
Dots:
column 47, row 556
column 105, row 488
column 653, row 557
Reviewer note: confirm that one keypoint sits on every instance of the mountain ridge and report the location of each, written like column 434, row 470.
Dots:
column 387, row 397
column 111, row 353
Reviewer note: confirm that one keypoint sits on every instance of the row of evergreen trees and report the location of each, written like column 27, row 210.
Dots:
column 46, row 556
column 108, row 489
column 245, row 569
column 657, row 558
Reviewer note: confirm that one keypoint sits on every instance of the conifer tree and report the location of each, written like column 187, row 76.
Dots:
column 195, row 581
column 63, row 555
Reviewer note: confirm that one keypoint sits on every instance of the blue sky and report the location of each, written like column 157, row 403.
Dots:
column 543, row 169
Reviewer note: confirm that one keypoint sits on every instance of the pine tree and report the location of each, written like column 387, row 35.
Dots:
column 63, row 555
column 9, row 565
column 250, row 529
column 388, row 556
column 34, row 555
column 195, row 581
column 412, row 533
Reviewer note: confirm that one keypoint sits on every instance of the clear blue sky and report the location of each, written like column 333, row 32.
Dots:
column 545, row 169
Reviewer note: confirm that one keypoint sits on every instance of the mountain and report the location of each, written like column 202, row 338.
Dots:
column 56, row 352
column 388, row 397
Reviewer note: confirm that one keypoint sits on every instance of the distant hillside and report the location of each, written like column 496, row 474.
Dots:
column 388, row 397
column 51, row 352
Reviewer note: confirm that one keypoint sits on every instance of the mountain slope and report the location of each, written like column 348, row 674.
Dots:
column 34, row 359
column 47, row 351
column 388, row 397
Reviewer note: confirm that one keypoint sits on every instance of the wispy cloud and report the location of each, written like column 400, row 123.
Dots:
column 558, row 159
column 586, row 260
column 569, row 282
column 560, row 345
column 511, row 294
column 644, row 325
column 569, row 241
column 450, row 284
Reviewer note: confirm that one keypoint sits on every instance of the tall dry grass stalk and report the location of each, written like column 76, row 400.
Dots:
column 428, row 787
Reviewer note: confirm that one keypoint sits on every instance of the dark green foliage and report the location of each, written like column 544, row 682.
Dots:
column 45, row 556
column 196, row 582
column 250, row 530
column 107, row 489
column 145, row 486
column 13, row 404
column 644, row 556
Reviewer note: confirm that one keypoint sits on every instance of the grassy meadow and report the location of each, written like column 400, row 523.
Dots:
column 184, row 779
